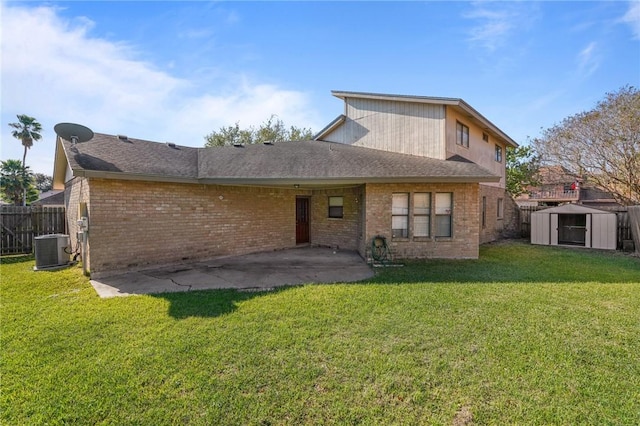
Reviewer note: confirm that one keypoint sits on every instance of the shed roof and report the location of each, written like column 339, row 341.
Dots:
column 572, row 209
column 301, row 162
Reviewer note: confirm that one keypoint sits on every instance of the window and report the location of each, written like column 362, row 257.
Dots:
column 484, row 212
column 500, row 208
column 485, row 137
column 400, row 215
column 462, row 134
column 421, row 214
column 336, row 207
column 444, row 204
column 498, row 153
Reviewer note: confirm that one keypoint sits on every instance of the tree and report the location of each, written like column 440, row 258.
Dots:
column 601, row 145
column 272, row 130
column 43, row 182
column 27, row 130
column 522, row 169
column 16, row 181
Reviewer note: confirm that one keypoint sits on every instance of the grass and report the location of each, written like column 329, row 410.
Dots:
column 524, row 335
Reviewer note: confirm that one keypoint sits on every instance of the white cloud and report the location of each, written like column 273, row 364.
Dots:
column 588, row 60
column 496, row 22
column 492, row 31
column 54, row 70
column 632, row 17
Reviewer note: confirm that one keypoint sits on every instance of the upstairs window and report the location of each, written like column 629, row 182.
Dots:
column 462, row 134
column 336, row 206
column 485, row 137
column 400, row 215
column 498, row 153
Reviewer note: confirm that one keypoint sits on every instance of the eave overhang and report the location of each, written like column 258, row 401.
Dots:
column 330, row 127
column 282, row 182
column 60, row 165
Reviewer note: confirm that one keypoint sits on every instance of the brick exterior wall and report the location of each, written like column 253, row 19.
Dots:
column 511, row 228
column 76, row 192
column 344, row 233
column 497, row 227
column 462, row 244
column 136, row 224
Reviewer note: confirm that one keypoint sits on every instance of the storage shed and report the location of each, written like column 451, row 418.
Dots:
column 574, row 225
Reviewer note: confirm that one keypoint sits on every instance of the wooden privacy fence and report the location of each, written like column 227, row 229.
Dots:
column 21, row 224
column 623, row 232
column 525, row 219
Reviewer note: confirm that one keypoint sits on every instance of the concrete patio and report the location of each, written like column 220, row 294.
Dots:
column 253, row 272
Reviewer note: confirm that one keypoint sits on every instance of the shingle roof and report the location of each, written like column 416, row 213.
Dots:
column 50, row 198
column 108, row 153
column 279, row 163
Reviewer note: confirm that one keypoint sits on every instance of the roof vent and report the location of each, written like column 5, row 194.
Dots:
column 172, row 145
column 123, row 138
column 238, row 144
column 268, row 142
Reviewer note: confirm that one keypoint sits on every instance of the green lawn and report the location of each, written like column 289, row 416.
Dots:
column 525, row 335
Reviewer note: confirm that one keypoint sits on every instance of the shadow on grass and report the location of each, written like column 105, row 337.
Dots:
column 209, row 303
column 16, row 258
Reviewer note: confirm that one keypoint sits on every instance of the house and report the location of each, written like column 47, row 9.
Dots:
column 559, row 186
column 53, row 198
column 426, row 173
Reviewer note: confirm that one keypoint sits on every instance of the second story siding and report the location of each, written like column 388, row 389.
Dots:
column 396, row 126
column 479, row 150
column 420, row 125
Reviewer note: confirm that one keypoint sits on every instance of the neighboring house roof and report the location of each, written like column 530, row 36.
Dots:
column 283, row 163
column 456, row 103
column 50, row 198
column 556, row 175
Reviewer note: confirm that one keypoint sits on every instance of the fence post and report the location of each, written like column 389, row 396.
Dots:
column 634, row 225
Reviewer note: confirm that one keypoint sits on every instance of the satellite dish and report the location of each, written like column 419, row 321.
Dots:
column 72, row 132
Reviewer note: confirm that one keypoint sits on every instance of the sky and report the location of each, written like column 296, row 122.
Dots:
column 176, row 71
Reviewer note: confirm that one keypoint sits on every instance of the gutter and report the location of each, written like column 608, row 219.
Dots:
column 283, row 182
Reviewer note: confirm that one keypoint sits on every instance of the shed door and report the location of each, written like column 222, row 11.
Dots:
column 302, row 220
column 572, row 229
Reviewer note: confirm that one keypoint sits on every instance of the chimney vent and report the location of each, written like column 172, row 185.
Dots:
column 123, row 138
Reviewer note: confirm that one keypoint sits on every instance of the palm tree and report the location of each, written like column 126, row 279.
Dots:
column 27, row 130
column 16, row 183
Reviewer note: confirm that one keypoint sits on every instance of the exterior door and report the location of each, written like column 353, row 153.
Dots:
column 302, row 220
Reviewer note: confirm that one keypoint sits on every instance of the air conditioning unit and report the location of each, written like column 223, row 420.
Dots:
column 51, row 251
